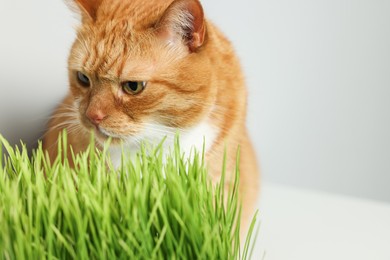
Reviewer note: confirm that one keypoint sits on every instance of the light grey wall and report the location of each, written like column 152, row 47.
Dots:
column 35, row 37
column 318, row 73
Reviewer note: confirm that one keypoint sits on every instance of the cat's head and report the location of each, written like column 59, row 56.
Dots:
column 140, row 66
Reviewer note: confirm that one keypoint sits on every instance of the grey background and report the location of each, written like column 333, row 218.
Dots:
column 318, row 73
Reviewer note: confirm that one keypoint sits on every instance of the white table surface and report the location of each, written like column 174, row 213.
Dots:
column 299, row 224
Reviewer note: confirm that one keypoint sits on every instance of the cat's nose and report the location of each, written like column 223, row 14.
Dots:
column 96, row 116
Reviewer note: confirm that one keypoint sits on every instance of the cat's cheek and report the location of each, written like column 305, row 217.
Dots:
column 81, row 107
column 123, row 107
column 78, row 92
column 77, row 104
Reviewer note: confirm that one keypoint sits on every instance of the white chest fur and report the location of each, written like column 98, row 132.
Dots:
column 194, row 138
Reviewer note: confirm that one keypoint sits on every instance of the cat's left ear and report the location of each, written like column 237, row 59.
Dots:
column 87, row 8
column 184, row 20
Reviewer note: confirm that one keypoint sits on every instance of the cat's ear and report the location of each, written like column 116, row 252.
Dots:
column 87, row 8
column 183, row 20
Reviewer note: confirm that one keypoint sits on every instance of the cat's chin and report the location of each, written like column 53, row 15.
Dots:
column 103, row 135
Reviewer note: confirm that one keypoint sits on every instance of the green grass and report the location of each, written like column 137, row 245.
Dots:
column 146, row 209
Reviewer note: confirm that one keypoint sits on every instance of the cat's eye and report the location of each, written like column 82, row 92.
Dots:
column 133, row 87
column 83, row 79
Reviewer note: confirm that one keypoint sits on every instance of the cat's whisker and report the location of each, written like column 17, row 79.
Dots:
column 159, row 134
column 71, row 129
column 65, row 124
column 157, row 124
column 159, row 129
column 218, row 113
column 170, row 119
column 57, row 127
column 133, row 140
column 64, row 115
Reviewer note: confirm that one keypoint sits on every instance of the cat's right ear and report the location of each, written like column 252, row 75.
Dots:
column 87, row 8
column 183, row 21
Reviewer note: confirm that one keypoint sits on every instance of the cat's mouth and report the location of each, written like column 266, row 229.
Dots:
column 103, row 134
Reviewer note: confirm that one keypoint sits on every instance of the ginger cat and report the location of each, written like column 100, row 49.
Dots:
column 142, row 70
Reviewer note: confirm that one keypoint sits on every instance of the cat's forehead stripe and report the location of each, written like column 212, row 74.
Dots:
column 117, row 57
column 139, row 13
